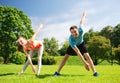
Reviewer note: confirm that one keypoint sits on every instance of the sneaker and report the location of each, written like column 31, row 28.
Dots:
column 56, row 74
column 95, row 74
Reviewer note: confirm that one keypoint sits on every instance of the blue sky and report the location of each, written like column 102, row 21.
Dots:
column 59, row 15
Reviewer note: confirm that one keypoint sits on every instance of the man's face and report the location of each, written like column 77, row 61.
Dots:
column 74, row 32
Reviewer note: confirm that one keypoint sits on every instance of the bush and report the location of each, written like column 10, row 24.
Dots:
column 48, row 60
column 35, row 60
column 1, row 60
column 17, row 58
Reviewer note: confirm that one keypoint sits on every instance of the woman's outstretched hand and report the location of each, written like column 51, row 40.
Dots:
column 41, row 25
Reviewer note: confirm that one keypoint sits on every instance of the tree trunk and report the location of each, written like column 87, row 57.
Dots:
column 5, row 60
column 96, row 62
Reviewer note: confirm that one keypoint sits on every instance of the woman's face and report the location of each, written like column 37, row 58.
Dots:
column 22, row 41
column 74, row 32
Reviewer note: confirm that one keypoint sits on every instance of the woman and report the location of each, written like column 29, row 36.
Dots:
column 30, row 45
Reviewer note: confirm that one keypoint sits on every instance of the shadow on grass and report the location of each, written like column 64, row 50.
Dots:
column 62, row 75
column 44, row 76
column 68, row 75
column 6, row 74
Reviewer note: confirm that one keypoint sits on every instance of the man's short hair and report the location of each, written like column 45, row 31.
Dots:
column 73, row 27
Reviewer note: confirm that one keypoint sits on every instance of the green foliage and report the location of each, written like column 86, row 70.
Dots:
column 107, row 32
column 47, row 59
column 88, row 35
column 117, row 54
column 116, row 36
column 13, row 23
column 1, row 60
column 17, row 58
column 63, row 49
column 35, row 61
column 99, row 48
column 51, row 46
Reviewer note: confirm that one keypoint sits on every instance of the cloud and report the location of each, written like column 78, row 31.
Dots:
column 57, row 26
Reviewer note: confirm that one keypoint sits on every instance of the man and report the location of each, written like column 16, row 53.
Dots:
column 77, row 46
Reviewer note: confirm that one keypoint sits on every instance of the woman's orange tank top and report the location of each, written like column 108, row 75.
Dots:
column 32, row 46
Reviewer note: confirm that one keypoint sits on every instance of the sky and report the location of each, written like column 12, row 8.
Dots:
column 59, row 15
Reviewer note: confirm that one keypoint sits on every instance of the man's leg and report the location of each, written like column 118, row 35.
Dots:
column 40, row 52
column 62, row 62
column 61, row 65
column 26, row 64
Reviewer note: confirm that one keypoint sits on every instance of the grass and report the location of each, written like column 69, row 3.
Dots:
column 69, row 74
column 74, row 60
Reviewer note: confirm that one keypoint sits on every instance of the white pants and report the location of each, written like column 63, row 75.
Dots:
column 40, row 52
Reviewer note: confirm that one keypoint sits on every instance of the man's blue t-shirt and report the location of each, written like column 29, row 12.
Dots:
column 74, row 41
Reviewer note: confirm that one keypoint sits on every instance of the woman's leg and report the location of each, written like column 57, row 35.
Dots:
column 40, row 52
column 26, row 64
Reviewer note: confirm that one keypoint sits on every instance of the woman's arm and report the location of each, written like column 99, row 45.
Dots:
column 82, row 21
column 36, row 32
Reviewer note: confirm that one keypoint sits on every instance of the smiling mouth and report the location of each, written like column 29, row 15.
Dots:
column 76, row 35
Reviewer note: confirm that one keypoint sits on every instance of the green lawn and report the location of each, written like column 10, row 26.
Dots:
column 69, row 74
column 74, row 60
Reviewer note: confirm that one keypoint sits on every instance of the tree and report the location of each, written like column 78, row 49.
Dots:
column 64, row 47
column 13, row 23
column 117, row 54
column 116, row 36
column 107, row 32
column 51, row 46
column 88, row 35
column 99, row 48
